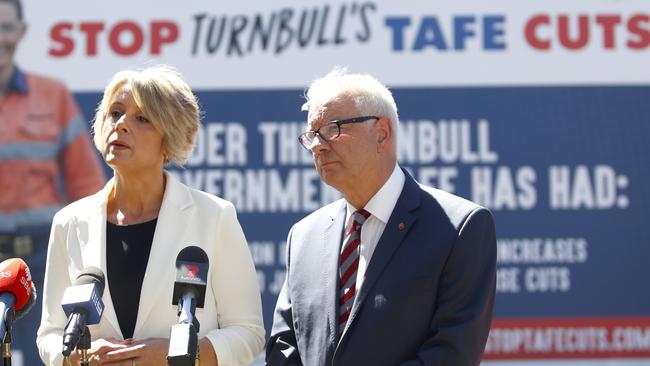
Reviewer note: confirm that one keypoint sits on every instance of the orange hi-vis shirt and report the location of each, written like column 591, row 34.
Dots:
column 46, row 158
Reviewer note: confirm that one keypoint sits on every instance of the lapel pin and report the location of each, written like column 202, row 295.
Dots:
column 401, row 226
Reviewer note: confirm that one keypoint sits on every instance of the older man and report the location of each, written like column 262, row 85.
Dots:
column 395, row 273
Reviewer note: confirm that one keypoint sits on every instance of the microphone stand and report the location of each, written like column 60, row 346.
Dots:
column 84, row 346
column 6, row 341
column 183, row 339
column 6, row 349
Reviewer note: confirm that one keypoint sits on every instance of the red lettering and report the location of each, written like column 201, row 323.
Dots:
column 643, row 34
column 531, row 32
column 608, row 22
column 583, row 32
column 162, row 32
column 60, row 35
column 125, row 38
column 91, row 30
column 573, row 31
column 136, row 43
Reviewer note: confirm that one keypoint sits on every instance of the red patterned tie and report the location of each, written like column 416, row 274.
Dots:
column 348, row 265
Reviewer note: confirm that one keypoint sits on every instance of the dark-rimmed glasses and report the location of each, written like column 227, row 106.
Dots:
column 330, row 131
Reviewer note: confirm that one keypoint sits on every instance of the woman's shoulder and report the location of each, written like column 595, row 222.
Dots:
column 208, row 198
column 80, row 207
column 183, row 193
column 210, row 208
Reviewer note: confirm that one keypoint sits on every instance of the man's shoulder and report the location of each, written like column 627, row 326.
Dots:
column 318, row 217
column 447, row 199
column 456, row 208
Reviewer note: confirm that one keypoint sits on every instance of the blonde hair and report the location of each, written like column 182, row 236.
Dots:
column 166, row 99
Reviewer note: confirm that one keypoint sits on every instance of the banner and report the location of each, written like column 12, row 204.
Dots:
column 270, row 45
column 537, row 111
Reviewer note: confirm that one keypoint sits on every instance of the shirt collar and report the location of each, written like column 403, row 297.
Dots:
column 18, row 82
column 381, row 205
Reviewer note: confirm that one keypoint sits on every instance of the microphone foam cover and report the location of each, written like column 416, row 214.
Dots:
column 92, row 275
column 18, row 314
column 193, row 254
column 192, row 265
column 16, row 279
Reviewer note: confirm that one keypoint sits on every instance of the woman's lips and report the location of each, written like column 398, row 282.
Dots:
column 119, row 145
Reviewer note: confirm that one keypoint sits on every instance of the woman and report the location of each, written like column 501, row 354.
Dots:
column 135, row 227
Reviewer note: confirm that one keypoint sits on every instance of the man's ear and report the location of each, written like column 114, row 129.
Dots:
column 384, row 130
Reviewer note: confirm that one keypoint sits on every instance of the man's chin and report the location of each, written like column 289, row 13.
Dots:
column 330, row 177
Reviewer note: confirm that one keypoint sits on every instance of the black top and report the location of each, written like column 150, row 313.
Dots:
column 127, row 255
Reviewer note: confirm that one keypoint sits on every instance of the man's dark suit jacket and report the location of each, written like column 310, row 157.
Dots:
column 427, row 297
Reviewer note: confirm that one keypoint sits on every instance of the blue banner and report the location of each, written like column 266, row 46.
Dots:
column 564, row 170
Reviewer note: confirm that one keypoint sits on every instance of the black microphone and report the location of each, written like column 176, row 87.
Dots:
column 83, row 305
column 189, row 293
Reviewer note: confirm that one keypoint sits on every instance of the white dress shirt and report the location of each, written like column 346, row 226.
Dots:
column 380, row 207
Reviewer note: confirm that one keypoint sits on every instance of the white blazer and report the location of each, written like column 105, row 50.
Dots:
column 232, row 316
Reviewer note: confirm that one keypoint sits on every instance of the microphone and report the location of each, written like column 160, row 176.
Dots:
column 17, row 292
column 83, row 305
column 189, row 293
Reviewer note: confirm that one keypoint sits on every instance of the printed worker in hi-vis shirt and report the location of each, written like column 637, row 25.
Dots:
column 46, row 161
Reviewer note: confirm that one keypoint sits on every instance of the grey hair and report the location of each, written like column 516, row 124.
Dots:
column 369, row 95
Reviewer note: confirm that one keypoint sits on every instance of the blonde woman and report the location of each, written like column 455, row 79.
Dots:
column 134, row 228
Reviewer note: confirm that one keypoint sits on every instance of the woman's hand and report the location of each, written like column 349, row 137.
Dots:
column 147, row 352
column 151, row 351
column 99, row 349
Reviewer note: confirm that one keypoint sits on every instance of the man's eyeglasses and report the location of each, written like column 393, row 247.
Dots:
column 330, row 130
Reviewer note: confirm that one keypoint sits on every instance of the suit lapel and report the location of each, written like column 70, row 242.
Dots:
column 93, row 250
column 331, row 248
column 398, row 225
column 172, row 221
